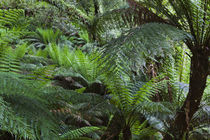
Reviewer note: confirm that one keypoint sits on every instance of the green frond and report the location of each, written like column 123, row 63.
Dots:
column 48, row 35
column 37, row 60
column 82, row 63
column 122, row 96
column 144, row 92
column 76, row 64
column 75, row 108
column 10, row 17
column 36, row 106
column 73, row 12
column 142, row 131
column 55, row 52
column 8, row 60
column 188, row 15
column 20, row 51
column 151, row 40
column 43, row 37
column 154, row 109
column 25, row 100
column 12, row 123
column 10, row 36
column 124, row 19
column 79, row 132
column 108, row 5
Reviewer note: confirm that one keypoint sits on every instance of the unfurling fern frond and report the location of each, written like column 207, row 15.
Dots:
column 73, row 134
column 10, row 17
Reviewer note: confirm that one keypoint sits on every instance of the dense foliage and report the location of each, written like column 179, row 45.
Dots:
column 104, row 69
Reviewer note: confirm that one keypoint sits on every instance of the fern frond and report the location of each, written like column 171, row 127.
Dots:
column 150, row 40
column 186, row 15
column 74, row 13
column 122, row 95
column 10, row 36
column 142, row 130
column 12, row 123
column 79, row 132
column 155, row 109
column 76, row 64
column 125, row 18
column 27, row 103
column 43, row 37
column 8, row 60
column 10, row 17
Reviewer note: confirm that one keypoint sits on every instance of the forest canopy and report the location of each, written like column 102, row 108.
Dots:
column 104, row 70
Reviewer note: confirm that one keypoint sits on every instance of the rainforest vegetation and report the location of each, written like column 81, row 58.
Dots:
column 104, row 70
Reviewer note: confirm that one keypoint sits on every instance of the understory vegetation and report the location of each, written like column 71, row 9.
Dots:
column 104, row 70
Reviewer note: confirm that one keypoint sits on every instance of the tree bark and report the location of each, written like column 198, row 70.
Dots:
column 114, row 128
column 127, row 133
column 6, row 136
column 199, row 73
column 96, row 6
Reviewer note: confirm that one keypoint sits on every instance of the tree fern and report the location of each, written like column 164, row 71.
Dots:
column 28, row 105
column 43, row 37
column 147, row 40
column 133, row 106
column 34, row 105
column 76, row 63
column 142, row 131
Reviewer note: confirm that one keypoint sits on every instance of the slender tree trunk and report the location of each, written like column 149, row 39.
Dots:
column 96, row 6
column 199, row 72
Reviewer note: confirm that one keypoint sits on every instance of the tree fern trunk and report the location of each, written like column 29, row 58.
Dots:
column 6, row 136
column 96, row 6
column 127, row 133
column 198, row 77
column 114, row 128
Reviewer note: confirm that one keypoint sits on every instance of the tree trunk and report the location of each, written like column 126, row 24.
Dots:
column 6, row 136
column 96, row 6
column 127, row 133
column 198, row 77
column 114, row 128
